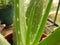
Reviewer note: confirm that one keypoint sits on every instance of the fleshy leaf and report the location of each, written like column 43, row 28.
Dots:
column 3, row 41
column 33, row 14
column 53, row 39
column 42, row 23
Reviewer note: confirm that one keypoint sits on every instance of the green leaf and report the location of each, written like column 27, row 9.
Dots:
column 53, row 39
column 3, row 41
column 19, row 32
column 28, row 33
column 33, row 14
column 16, row 31
column 22, row 21
column 37, row 17
column 42, row 23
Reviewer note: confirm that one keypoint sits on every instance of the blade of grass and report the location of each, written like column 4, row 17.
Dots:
column 53, row 39
column 42, row 24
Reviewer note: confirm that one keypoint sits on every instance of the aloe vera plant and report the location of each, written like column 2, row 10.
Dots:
column 29, row 25
column 33, row 18
column 3, row 41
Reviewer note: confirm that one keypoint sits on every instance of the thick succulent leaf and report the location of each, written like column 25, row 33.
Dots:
column 33, row 14
column 42, row 23
column 37, row 16
column 19, row 23
column 3, row 41
column 22, row 21
column 16, row 31
column 53, row 39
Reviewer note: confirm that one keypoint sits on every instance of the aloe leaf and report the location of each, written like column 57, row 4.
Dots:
column 28, row 33
column 53, row 39
column 37, row 16
column 16, row 31
column 42, row 23
column 20, row 23
column 33, row 15
column 3, row 41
